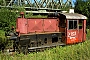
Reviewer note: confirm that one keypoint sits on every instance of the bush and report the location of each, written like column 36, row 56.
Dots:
column 30, row 15
column 2, row 40
column 88, row 34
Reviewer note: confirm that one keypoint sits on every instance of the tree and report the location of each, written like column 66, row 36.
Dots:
column 83, row 7
column 7, row 18
column 2, row 2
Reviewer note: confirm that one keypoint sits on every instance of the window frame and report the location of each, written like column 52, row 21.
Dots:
column 80, row 24
column 72, row 24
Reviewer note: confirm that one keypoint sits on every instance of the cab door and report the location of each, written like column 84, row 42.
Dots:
column 80, row 37
column 72, row 31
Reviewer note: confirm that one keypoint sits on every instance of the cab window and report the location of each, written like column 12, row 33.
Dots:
column 72, row 24
column 80, row 24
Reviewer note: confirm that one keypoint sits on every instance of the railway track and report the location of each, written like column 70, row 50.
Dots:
column 41, row 48
column 26, row 50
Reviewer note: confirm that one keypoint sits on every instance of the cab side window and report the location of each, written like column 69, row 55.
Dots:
column 80, row 24
column 72, row 24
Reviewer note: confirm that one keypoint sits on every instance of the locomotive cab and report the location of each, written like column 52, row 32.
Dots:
column 76, row 28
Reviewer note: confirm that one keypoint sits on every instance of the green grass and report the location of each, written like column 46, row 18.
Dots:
column 88, row 34
column 79, row 51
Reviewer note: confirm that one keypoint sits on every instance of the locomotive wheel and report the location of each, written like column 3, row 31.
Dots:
column 23, row 49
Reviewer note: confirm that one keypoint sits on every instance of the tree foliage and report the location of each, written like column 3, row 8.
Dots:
column 83, row 7
column 7, row 18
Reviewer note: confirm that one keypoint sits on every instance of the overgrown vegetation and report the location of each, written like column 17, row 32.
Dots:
column 79, row 51
column 30, row 15
column 2, row 40
column 83, row 7
column 7, row 18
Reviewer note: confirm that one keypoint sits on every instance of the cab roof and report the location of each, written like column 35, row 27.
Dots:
column 74, row 16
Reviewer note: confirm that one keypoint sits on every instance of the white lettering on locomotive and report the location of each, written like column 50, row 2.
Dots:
column 72, row 35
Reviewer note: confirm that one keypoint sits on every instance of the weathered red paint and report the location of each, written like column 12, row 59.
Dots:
column 22, row 25
column 81, row 32
column 76, row 35
column 35, row 25
column 50, row 25
column 42, row 25
column 80, row 35
column 84, row 30
column 72, row 36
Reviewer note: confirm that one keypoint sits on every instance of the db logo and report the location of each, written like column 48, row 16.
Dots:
column 72, row 35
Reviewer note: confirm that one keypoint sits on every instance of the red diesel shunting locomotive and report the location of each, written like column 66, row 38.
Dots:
column 65, row 28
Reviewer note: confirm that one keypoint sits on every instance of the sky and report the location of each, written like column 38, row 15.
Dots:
column 71, row 0
column 54, row 0
column 64, row 1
